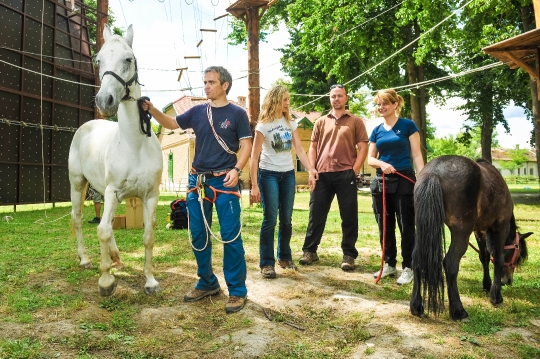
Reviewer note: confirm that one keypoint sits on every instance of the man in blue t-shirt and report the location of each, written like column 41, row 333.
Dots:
column 221, row 129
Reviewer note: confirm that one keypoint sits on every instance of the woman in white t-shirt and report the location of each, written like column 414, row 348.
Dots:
column 275, row 187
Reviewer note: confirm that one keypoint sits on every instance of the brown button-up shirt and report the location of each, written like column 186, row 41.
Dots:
column 336, row 141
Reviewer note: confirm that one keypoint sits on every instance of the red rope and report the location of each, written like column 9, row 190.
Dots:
column 384, row 221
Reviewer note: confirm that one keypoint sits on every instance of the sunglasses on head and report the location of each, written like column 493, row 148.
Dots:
column 339, row 86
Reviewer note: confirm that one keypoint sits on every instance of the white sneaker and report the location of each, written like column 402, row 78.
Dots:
column 406, row 277
column 387, row 270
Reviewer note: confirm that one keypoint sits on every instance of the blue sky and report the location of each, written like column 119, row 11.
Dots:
column 166, row 31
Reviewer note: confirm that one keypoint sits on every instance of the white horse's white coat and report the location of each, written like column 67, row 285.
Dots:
column 117, row 159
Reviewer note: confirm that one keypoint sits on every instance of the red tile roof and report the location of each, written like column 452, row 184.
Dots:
column 312, row 116
column 503, row 154
column 184, row 103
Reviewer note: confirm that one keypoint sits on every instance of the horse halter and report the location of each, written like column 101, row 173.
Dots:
column 126, row 84
column 514, row 246
column 517, row 252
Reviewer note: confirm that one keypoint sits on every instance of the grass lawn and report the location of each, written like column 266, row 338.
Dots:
column 50, row 308
column 524, row 188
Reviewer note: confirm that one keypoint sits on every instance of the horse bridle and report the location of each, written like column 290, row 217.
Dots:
column 126, row 84
column 517, row 251
column 514, row 246
column 144, row 116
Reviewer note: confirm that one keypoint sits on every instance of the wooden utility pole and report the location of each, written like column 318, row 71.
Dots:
column 102, row 19
column 536, row 6
column 251, row 12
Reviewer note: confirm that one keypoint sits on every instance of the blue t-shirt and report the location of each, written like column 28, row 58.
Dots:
column 393, row 145
column 231, row 124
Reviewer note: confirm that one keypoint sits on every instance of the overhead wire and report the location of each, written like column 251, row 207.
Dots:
column 41, row 112
column 427, row 32
column 197, row 11
column 186, row 80
column 365, row 22
column 39, row 55
column 123, row 14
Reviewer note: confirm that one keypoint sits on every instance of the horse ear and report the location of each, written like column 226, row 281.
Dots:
column 106, row 32
column 129, row 36
column 523, row 236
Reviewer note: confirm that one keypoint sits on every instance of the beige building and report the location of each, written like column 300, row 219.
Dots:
column 528, row 168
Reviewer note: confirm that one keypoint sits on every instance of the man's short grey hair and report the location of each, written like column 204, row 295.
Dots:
column 224, row 75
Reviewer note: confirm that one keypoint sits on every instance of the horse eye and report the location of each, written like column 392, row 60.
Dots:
column 129, row 59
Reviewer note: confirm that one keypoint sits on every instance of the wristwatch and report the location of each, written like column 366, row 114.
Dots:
column 238, row 170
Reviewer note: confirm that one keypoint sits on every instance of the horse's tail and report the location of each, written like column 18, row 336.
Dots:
column 83, row 197
column 428, row 250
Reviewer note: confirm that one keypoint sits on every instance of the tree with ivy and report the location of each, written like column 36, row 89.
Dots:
column 92, row 30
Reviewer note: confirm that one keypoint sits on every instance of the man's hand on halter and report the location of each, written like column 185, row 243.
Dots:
column 147, row 105
column 231, row 178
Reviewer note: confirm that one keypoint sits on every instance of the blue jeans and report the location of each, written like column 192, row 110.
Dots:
column 277, row 194
column 228, row 210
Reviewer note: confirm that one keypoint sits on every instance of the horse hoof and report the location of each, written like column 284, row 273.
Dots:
column 87, row 265
column 152, row 290
column 107, row 292
column 118, row 265
column 417, row 311
column 465, row 320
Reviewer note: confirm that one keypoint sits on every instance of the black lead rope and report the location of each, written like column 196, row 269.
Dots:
column 144, row 116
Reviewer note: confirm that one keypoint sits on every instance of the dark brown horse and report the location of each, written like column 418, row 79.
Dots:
column 467, row 196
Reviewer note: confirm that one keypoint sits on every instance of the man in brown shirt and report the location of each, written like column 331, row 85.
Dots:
column 333, row 152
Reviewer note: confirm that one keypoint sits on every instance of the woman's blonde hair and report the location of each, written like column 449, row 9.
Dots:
column 272, row 105
column 390, row 96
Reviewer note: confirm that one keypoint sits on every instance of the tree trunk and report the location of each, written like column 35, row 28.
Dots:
column 415, row 109
column 526, row 12
column 536, row 121
column 422, row 104
column 412, row 77
column 417, row 96
column 487, row 126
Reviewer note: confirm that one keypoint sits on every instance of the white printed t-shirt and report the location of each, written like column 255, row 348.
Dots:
column 277, row 145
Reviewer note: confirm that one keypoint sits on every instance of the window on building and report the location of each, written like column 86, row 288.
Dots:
column 531, row 172
column 519, row 171
column 171, row 166
column 299, row 166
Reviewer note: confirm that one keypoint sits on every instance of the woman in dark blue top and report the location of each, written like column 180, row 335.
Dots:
column 395, row 146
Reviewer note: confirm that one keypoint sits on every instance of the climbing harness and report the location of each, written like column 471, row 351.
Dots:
column 201, row 191
column 384, row 220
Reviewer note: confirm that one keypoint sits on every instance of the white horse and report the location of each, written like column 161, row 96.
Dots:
column 117, row 159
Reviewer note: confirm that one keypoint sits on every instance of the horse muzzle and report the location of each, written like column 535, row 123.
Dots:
column 507, row 277
column 107, row 103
